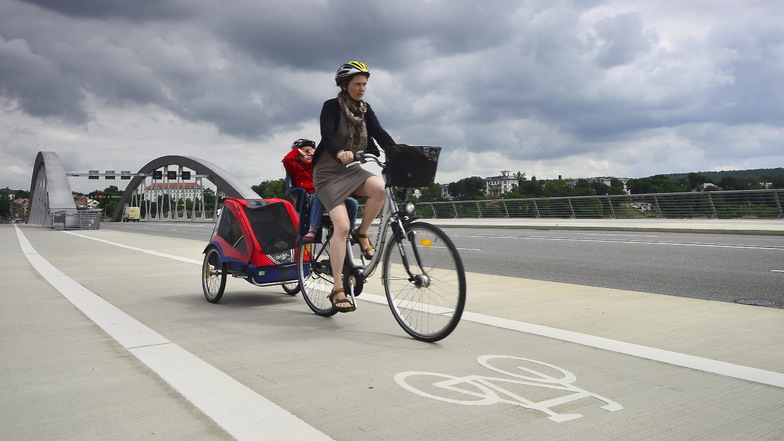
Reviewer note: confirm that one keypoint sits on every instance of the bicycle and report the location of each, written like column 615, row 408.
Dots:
column 422, row 272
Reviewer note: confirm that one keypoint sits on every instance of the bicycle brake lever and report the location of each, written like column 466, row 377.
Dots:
column 359, row 158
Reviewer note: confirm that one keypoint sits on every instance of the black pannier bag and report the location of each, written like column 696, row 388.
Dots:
column 411, row 165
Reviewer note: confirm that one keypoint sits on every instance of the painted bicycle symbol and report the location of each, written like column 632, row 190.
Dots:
column 477, row 390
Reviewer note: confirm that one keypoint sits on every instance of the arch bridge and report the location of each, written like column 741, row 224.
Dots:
column 51, row 195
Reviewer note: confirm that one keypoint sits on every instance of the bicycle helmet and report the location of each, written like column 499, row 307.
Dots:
column 303, row 142
column 348, row 70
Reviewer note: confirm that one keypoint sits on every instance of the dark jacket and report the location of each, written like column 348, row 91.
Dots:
column 330, row 119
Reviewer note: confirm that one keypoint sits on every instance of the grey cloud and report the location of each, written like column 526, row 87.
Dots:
column 755, row 69
column 120, row 9
column 553, row 79
column 622, row 39
column 39, row 85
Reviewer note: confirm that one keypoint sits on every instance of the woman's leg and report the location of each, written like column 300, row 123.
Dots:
column 352, row 206
column 373, row 189
column 337, row 250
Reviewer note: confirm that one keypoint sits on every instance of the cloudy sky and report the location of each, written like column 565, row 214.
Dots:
column 579, row 88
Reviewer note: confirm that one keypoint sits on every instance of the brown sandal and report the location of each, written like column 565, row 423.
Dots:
column 335, row 302
column 365, row 251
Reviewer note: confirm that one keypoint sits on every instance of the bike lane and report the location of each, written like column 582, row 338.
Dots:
column 346, row 375
column 63, row 378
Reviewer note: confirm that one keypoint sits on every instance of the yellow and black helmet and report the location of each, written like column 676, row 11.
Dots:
column 348, row 70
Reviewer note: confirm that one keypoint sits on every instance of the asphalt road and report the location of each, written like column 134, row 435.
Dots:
column 721, row 267
column 106, row 335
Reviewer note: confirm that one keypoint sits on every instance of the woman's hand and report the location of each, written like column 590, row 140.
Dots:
column 345, row 157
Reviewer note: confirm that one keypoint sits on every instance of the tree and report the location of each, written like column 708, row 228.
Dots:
column 557, row 188
column 655, row 184
column 731, row 183
column 753, row 183
column 5, row 207
column 583, row 188
column 431, row 194
column 271, row 189
column 616, row 186
column 531, row 189
column 470, row 188
column 209, row 197
column 695, row 180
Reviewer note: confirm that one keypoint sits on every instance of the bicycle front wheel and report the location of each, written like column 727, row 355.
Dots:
column 315, row 275
column 425, row 283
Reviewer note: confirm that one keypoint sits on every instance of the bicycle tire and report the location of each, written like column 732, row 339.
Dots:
column 315, row 275
column 213, row 275
column 291, row 289
column 429, row 307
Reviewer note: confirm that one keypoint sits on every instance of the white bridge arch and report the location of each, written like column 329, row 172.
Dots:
column 51, row 194
column 226, row 183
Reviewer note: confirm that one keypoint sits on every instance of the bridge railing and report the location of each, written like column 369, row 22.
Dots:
column 76, row 220
column 762, row 204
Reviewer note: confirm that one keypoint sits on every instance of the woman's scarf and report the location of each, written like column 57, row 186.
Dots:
column 354, row 112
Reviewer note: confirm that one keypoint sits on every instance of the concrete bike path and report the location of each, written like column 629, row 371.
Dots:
column 336, row 375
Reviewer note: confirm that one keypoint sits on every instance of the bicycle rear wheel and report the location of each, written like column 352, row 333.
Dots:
column 428, row 302
column 315, row 274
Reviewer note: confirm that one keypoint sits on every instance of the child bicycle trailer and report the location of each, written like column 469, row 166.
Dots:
column 253, row 239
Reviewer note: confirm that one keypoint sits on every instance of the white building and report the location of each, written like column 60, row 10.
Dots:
column 498, row 185
column 180, row 190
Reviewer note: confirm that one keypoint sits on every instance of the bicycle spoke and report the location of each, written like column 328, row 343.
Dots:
column 315, row 275
column 427, row 304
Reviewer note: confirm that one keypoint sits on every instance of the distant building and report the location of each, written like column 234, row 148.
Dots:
column 706, row 186
column 643, row 207
column 182, row 190
column 20, row 207
column 8, row 193
column 498, row 185
column 606, row 180
column 445, row 192
column 85, row 203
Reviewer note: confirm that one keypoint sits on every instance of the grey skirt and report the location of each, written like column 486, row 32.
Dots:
column 334, row 182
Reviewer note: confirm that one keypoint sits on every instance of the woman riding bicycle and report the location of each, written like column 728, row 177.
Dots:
column 348, row 124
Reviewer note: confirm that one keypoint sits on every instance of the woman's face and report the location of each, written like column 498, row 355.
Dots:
column 356, row 87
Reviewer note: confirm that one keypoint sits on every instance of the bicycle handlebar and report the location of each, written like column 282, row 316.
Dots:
column 361, row 157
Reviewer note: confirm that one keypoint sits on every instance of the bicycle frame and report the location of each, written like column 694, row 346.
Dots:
column 391, row 219
column 423, row 279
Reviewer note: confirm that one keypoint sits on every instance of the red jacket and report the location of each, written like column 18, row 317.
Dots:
column 301, row 172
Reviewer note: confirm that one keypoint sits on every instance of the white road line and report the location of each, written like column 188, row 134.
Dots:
column 674, row 358
column 154, row 253
column 240, row 411
column 635, row 350
column 638, row 242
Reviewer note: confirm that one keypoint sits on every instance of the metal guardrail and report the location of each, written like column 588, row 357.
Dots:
column 761, row 204
column 76, row 220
